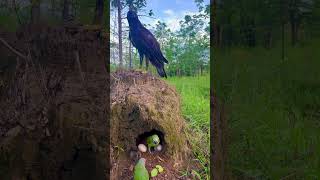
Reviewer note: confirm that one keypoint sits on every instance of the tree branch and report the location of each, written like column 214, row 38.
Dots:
column 147, row 16
column 142, row 15
column 12, row 49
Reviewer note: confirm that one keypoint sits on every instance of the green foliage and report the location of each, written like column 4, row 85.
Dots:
column 13, row 15
column 186, row 49
column 137, row 4
column 86, row 11
column 273, row 111
column 159, row 168
column 154, row 172
column 8, row 22
column 258, row 23
column 195, row 92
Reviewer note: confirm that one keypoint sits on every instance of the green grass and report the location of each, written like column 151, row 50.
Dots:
column 195, row 92
column 273, row 111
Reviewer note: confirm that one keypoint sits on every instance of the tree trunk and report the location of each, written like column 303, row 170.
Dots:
column 294, row 21
column 294, row 31
column 293, row 39
column 120, row 33
column 221, row 35
column 215, row 26
column 130, row 56
column 283, row 21
column 250, row 33
column 66, row 12
column 282, row 55
column 98, row 17
column 16, row 11
column 219, row 139
column 35, row 11
column 52, row 9
column 268, row 37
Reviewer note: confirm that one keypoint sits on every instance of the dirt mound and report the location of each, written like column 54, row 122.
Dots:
column 54, row 102
column 142, row 105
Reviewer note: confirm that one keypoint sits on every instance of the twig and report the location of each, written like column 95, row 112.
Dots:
column 16, row 11
column 42, row 80
column 160, row 158
column 141, row 16
column 12, row 49
column 79, row 65
column 289, row 176
column 114, row 77
column 147, row 16
column 84, row 83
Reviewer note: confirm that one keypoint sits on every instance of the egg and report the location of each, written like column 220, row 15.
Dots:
column 142, row 148
column 159, row 147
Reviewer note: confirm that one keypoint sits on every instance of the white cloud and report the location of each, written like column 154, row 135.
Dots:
column 173, row 23
column 173, row 19
column 168, row 12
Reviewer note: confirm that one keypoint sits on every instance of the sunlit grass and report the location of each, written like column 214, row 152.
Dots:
column 273, row 111
column 194, row 92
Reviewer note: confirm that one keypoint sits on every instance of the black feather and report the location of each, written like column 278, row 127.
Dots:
column 146, row 43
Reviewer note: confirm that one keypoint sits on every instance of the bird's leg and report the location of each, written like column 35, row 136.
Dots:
column 149, row 149
column 147, row 67
column 147, row 64
column 141, row 60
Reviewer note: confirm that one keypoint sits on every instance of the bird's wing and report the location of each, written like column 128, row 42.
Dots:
column 149, row 43
column 130, row 38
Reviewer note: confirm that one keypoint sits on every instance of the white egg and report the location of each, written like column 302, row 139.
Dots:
column 159, row 147
column 142, row 148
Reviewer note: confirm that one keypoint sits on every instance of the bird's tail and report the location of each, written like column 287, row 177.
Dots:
column 164, row 59
column 162, row 72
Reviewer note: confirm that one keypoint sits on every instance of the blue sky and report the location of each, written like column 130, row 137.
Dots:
column 170, row 11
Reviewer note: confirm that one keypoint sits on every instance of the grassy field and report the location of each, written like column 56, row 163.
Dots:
column 195, row 93
column 273, row 110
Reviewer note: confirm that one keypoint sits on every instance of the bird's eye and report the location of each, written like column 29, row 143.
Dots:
column 155, row 142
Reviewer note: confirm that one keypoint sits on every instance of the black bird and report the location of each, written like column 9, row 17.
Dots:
column 146, row 43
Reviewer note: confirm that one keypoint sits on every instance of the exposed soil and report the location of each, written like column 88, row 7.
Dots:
column 53, row 103
column 143, row 105
column 170, row 171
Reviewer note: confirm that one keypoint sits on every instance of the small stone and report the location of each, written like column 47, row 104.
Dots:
column 131, row 168
column 14, row 131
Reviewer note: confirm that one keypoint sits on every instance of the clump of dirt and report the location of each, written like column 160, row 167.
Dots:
column 54, row 104
column 142, row 105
